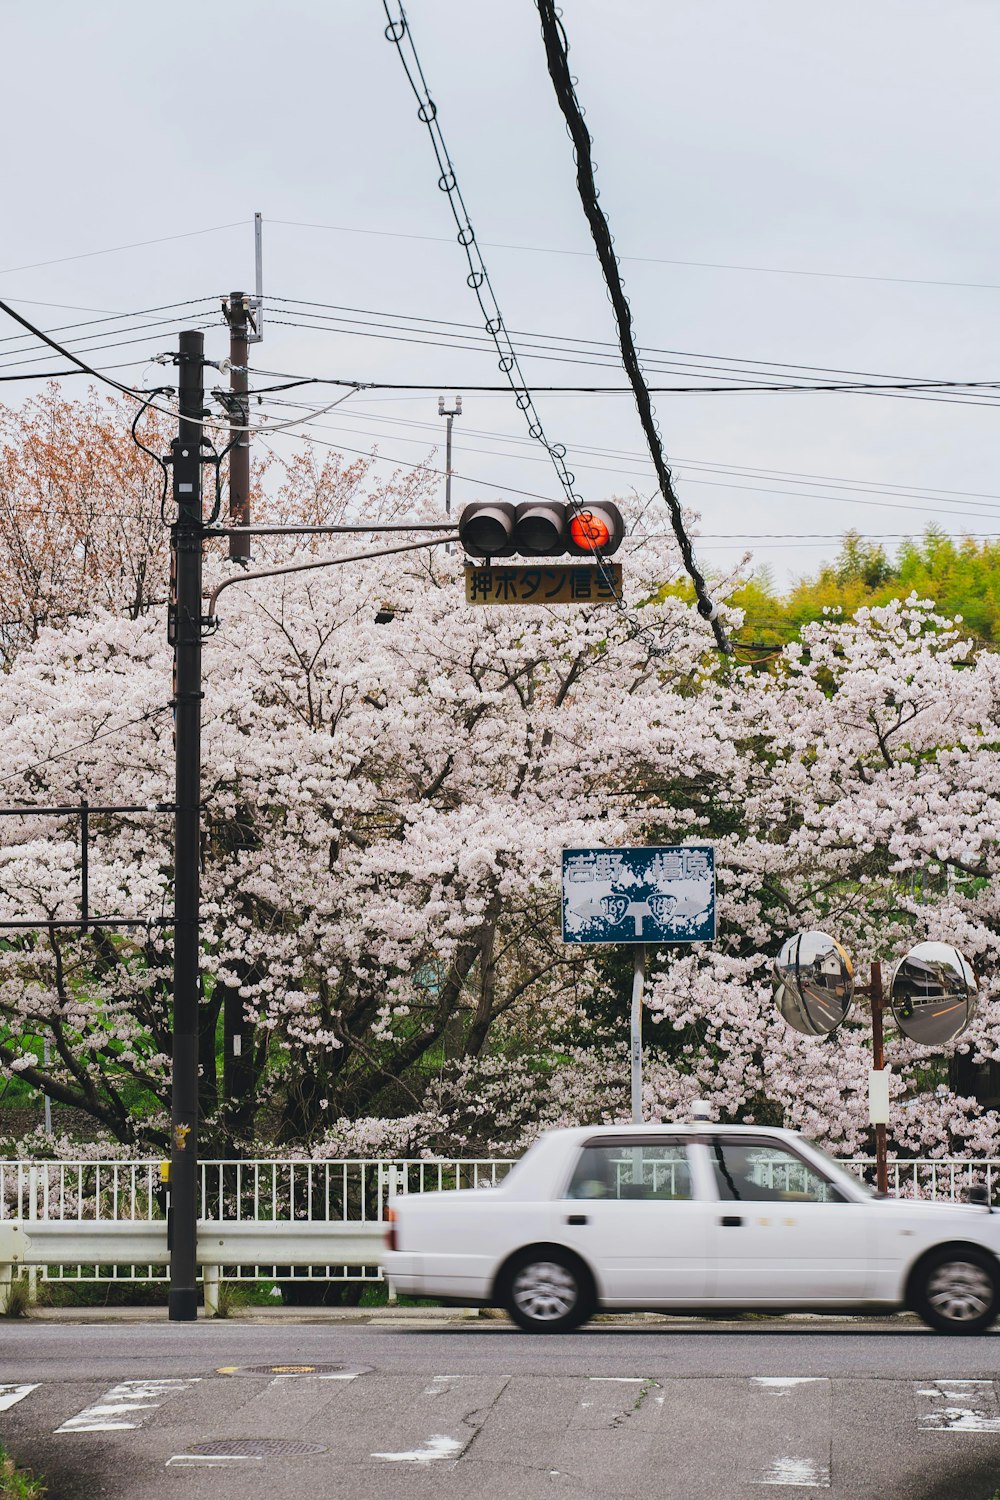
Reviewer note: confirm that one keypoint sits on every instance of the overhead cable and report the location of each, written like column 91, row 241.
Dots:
column 556, row 50
column 162, row 239
column 395, row 327
column 655, row 260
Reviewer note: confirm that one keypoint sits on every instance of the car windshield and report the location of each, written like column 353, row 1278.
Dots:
column 842, row 1171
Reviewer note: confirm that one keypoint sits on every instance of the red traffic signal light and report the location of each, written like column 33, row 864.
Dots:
column 595, row 528
column 544, row 528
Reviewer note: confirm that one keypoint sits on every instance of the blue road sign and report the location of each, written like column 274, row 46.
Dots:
column 659, row 895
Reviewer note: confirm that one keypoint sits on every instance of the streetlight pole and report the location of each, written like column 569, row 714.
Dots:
column 456, row 411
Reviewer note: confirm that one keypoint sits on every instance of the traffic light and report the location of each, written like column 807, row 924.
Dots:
column 543, row 528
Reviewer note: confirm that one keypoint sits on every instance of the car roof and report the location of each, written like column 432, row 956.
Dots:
column 687, row 1127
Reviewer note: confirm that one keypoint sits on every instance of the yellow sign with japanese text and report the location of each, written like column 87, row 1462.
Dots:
column 540, row 584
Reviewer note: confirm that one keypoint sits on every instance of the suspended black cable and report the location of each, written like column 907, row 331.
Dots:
column 556, row 50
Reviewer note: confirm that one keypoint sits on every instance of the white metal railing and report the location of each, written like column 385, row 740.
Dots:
column 356, row 1191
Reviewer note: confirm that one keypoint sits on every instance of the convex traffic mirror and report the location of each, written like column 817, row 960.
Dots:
column 814, row 983
column 933, row 994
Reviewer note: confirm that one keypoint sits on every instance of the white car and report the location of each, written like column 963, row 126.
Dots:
column 687, row 1218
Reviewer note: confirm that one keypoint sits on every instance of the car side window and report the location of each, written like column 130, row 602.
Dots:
column 620, row 1171
column 755, row 1171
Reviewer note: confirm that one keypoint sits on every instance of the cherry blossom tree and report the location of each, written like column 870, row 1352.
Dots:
column 389, row 778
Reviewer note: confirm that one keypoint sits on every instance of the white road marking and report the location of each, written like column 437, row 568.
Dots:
column 803, row 1471
column 439, row 1385
column 620, row 1379
column 10, row 1395
column 435, row 1447
column 787, row 1436
column 958, row 1406
column 111, row 1413
column 782, row 1383
column 210, row 1460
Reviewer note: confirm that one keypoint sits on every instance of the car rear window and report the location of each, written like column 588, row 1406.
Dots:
column 631, row 1171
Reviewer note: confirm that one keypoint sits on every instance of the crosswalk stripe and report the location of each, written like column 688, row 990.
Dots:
column 10, row 1395
column 132, row 1397
column 788, row 1432
column 438, row 1446
column 957, row 1406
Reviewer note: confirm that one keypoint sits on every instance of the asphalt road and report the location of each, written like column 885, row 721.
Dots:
column 460, row 1411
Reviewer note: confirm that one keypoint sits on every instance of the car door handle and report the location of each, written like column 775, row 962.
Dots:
column 731, row 1221
column 577, row 1219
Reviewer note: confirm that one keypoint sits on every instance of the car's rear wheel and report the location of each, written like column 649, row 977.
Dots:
column 545, row 1291
column 957, row 1291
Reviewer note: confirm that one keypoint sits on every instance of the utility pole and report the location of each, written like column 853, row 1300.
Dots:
column 456, row 411
column 185, row 630
column 239, row 417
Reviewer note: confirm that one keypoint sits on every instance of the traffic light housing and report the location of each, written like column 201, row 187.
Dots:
column 542, row 528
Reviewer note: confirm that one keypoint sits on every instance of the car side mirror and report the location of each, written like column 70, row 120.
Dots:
column 980, row 1194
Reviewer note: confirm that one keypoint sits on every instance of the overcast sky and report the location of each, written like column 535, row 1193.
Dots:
column 845, row 148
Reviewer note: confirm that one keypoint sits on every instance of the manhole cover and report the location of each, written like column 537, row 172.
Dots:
column 256, row 1448
column 292, row 1369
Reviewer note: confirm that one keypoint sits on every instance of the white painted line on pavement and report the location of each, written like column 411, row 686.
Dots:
column 439, row 1385
column 435, row 1447
column 210, row 1460
column 782, row 1383
column 787, row 1436
column 802, row 1471
column 620, row 1379
column 10, row 1395
column 957, row 1406
column 110, row 1414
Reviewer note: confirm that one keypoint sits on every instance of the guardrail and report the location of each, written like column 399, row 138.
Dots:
column 233, row 1247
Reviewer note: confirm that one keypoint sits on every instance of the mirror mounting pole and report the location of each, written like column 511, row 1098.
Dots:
column 878, row 1063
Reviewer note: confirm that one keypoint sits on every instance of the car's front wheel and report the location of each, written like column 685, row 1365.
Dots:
column 545, row 1291
column 957, row 1291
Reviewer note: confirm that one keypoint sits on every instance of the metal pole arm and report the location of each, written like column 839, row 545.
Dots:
column 348, row 530
column 325, row 562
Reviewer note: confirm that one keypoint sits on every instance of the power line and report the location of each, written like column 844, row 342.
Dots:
column 781, row 476
column 129, row 364
column 652, row 260
column 893, row 503
column 676, row 358
column 85, row 744
column 740, row 383
column 206, row 423
column 109, row 317
column 163, row 239
column 68, row 354
column 196, row 321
